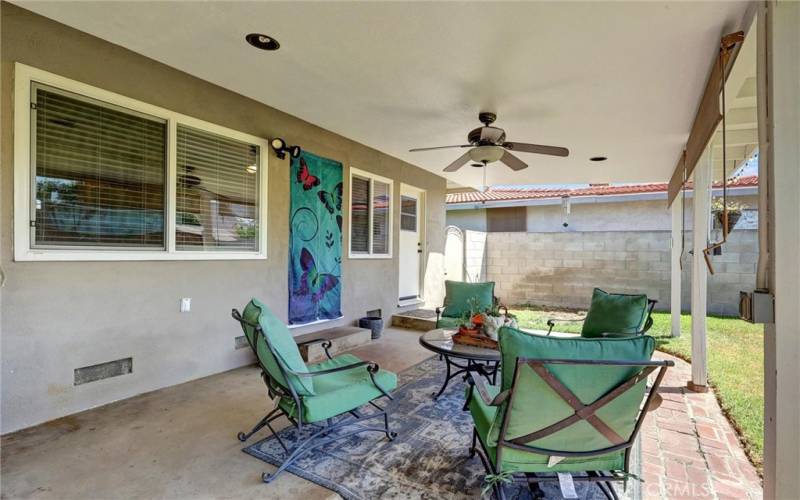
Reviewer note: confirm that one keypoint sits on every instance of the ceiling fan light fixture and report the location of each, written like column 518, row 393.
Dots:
column 486, row 154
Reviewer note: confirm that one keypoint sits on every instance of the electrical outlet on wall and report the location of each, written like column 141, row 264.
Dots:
column 186, row 304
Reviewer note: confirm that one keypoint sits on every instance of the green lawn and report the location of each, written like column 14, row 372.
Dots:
column 735, row 364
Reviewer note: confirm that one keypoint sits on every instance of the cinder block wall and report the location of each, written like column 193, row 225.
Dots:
column 561, row 269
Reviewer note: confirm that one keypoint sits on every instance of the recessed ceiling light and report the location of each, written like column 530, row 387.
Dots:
column 263, row 42
column 598, row 158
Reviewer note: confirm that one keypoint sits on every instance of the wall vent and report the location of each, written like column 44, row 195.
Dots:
column 103, row 370
column 240, row 342
column 375, row 313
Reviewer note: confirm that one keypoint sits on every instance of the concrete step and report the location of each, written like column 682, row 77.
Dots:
column 342, row 338
column 417, row 319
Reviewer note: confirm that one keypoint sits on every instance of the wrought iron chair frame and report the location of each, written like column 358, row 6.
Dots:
column 274, row 389
column 603, row 479
column 651, row 304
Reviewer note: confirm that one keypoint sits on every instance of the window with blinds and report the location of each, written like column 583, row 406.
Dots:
column 370, row 215
column 105, row 177
column 216, row 193
column 99, row 173
column 408, row 213
column 359, row 215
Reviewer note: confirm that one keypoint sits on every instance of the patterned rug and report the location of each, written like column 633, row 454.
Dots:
column 428, row 460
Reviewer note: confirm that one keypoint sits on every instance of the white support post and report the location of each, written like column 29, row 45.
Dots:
column 782, row 338
column 675, row 266
column 700, row 231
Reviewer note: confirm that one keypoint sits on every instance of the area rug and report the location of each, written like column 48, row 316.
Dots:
column 428, row 460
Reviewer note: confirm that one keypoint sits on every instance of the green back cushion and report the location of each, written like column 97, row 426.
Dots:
column 537, row 406
column 282, row 342
column 614, row 313
column 458, row 294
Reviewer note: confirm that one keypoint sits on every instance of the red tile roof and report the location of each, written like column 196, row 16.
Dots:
column 507, row 194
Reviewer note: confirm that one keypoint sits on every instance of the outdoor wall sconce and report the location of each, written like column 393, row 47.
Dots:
column 281, row 148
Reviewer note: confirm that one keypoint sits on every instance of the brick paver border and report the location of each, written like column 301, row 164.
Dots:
column 690, row 450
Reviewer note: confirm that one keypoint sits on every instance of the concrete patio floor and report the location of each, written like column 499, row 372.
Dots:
column 180, row 442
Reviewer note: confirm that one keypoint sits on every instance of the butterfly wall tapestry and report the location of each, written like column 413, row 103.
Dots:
column 315, row 240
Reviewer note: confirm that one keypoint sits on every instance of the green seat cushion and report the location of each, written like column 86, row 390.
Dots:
column 459, row 293
column 615, row 314
column 282, row 342
column 448, row 322
column 536, row 405
column 340, row 392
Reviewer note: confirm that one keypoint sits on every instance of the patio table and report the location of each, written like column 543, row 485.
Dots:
column 478, row 359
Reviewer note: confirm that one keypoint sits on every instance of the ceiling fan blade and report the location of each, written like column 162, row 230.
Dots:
column 439, row 147
column 460, row 162
column 512, row 161
column 536, row 148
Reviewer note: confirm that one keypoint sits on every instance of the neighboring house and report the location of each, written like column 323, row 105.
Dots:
column 615, row 237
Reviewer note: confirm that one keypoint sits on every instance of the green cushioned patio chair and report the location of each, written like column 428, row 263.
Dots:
column 564, row 405
column 324, row 395
column 456, row 301
column 614, row 315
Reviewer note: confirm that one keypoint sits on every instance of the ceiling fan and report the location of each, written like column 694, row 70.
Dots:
column 488, row 144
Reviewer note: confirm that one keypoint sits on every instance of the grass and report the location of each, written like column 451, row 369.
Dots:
column 735, row 364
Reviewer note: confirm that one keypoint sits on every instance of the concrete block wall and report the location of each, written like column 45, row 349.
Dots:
column 561, row 269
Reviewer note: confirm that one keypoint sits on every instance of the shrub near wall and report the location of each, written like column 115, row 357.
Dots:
column 561, row 269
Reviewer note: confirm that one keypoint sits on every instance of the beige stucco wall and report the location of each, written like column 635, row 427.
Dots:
column 473, row 220
column 60, row 316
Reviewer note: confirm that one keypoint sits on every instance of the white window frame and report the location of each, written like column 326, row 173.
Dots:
column 355, row 172
column 24, row 76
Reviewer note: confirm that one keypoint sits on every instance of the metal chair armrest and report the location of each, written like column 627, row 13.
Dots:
column 551, row 323
column 331, row 370
column 372, row 370
column 326, row 344
column 477, row 382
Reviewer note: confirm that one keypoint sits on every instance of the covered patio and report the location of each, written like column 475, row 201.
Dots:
column 230, row 217
column 162, row 444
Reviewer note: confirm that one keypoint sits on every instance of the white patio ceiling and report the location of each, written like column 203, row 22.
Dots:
column 620, row 79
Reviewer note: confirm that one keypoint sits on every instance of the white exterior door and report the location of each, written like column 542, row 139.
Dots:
column 412, row 244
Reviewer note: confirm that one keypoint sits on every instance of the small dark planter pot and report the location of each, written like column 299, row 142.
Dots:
column 733, row 218
column 374, row 323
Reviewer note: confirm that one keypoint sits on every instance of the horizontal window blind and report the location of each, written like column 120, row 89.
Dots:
column 99, row 173
column 380, row 218
column 217, row 192
column 359, row 215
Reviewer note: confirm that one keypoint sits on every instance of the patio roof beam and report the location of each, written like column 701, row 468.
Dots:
column 709, row 113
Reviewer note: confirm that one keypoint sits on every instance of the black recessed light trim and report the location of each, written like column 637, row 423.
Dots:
column 263, row 42
column 598, row 158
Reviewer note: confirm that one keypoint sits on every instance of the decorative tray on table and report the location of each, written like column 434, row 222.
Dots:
column 474, row 337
